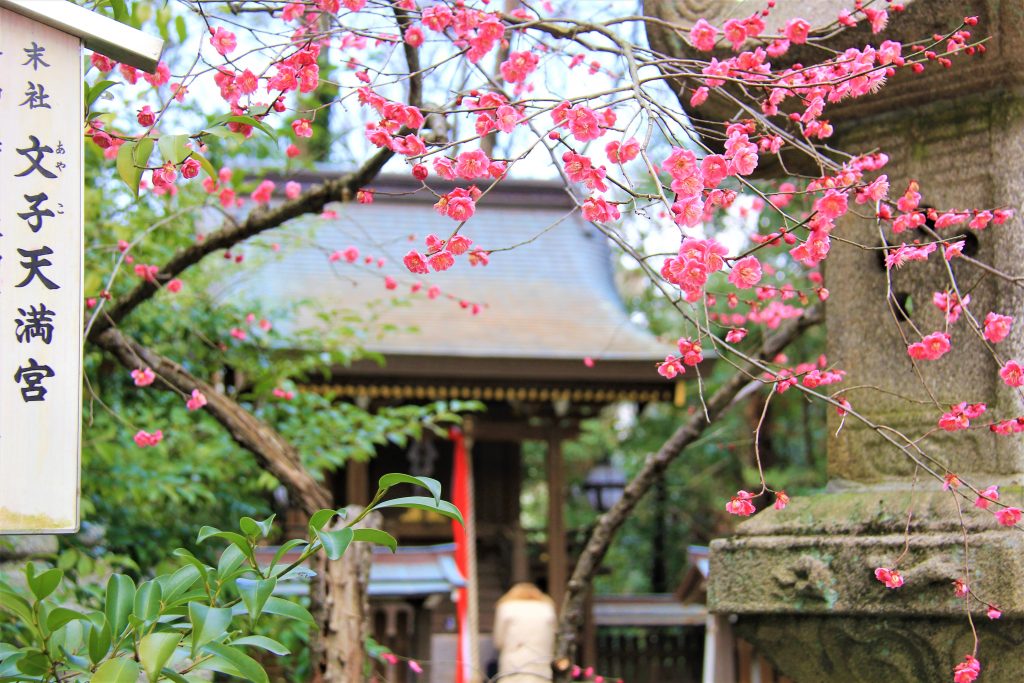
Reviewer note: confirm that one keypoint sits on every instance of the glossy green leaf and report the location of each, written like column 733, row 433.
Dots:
column 319, row 519
column 147, row 601
column 264, row 643
column 255, row 595
column 60, row 616
column 250, row 527
column 99, row 638
column 120, row 10
column 33, row 664
column 119, row 603
column 174, row 676
column 205, row 164
column 208, row 532
column 95, row 90
column 230, row 560
column 291, row 610
column 335, row 542
column 132, row 158
column 283, row 550
column 396, row 478
column 176, row 584
column 45, row 583
column 248, row 667
column 377, row 537
column 422, row 503
column 15, row 604
column 250, row 121
column 120, row 670
column 207, row 623
column 155, row 650
column 173, row 148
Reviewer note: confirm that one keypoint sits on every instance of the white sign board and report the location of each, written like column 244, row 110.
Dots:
column 40, row 276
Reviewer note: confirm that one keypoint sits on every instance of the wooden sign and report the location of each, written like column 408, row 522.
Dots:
column 41, row 241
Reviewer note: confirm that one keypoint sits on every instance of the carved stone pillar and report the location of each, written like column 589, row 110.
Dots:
column 801, row 580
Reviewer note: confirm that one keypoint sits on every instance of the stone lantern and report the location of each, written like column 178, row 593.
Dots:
column 801, row 580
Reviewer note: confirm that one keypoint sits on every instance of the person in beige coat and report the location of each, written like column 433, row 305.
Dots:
column 524, row 633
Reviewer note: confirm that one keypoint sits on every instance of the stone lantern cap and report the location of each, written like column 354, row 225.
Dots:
column 1000, row 68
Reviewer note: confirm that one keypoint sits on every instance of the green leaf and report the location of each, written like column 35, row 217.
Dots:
column 173, row 148
column 15, row 604
column 181, row 28
column 335, row 542
column 283, row 550
column 120, row 670
column 248, row 667
column 319, row 519
column 120, row 10
column 177, row 583
column 288, row 609
column 120, row 600
column 132, row 157
column 174, row 676
column 239, row 540
column 147, row 601
column 255, row 595
column 423, row 503
column 205, row 164
column 192, row 560
column 99, row 638
column 33, row 664
column 61, row 616
column 154, row 651
column 224, row 133
column 207, row 623
column 250, row 527
column 268, row 644
column 44, row 584
column 230, row 560
column 95, row 90
column 377, row 537
column 432, row 485
column 250, row 121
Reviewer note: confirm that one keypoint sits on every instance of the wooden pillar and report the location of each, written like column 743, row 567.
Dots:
column 520, row 556
column 589, row 630
column 558, row 561
column 357, row 482
column 472, row 581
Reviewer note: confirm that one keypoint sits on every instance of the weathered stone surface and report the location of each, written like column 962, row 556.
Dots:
column 835, row 575
column 801, row 580
column 869, row 339
column 893, row 650
column 19, row 547
column 1001, row 68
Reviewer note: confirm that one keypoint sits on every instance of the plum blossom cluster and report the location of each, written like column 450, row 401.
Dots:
column 811, row 375
column 690, row 354
column 440, row 254
column 742, row 504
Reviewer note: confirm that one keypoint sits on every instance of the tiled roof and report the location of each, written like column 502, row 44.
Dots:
column 553, row 298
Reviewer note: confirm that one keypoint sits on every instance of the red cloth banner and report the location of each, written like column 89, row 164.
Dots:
column 461, row 500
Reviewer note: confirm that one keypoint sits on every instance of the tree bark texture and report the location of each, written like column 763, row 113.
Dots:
column 272, row 450
column 339, row 654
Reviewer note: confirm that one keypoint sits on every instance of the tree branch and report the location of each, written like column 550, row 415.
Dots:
column 573, row 604
column 276, row 455
column 259, row 220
